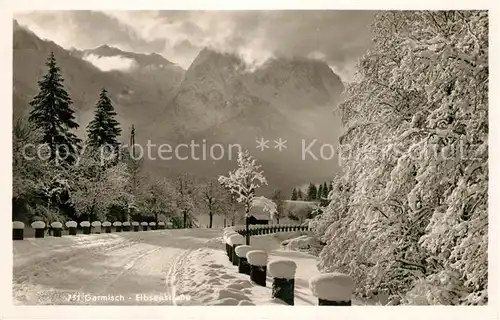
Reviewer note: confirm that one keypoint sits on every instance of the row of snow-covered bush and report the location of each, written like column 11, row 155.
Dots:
column 410, row 212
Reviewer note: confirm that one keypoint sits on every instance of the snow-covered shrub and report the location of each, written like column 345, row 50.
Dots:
column 282, row 269
column 17, row 225
column 257, row 258
column 303, row 243
column 38, row 225
column 332, row 287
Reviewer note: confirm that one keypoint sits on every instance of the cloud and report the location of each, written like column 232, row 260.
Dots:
column 119, row 63
column 338, row 37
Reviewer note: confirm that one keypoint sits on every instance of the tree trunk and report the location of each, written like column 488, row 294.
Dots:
column 247, row 236
column 211, row 219
column 185, row 219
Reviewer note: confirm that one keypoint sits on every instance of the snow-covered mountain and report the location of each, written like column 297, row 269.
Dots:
column 218, row 99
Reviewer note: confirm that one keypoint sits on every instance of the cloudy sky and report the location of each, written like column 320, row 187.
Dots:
column 337, row 37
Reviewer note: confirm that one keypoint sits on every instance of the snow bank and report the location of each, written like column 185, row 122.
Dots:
column 152, row 224
column 241, row 251
column 38, row 225
column 303, row 243
column 56, row 224
column 106, row 224
column 332, row 286
column 228, row 235
column 282, row 269
column 135, row 223
column 117, row 224
column 71, row 224
column 96, row 224
column 235, row 239
column 257, row 258
column 17, row 225
column 126, row 224
column 85, row 224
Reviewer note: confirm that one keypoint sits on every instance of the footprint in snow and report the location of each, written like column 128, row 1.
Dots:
column 215, row 265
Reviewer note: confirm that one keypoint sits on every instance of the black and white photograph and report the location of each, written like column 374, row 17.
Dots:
column 250, row 158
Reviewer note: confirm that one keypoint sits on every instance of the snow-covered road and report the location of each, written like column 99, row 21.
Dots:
column 128, row 268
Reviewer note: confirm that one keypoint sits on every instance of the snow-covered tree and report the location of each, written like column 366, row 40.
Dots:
column 244, row 181
column 186, row 197
column 214, row 197
column 410, row 212
column 97, row 185
column 158, row 199
column 52, row 113
column 280, row 205
column 104, row 130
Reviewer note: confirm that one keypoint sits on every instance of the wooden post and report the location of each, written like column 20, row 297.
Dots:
column 258, row 266
column 243, row 265
column 283, row 273
column 71, row 225
column 17, row 230
column 57, row 227
column 39, row 227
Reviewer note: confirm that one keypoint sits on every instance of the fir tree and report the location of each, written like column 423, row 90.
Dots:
column 311, row 192
column 294, row 195
column 299, row 195
column 104, row 130
column 53, row 115
column 325, row 191
column 320, row 192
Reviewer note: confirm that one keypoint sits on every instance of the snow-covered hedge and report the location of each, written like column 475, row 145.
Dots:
column 135, row 223
column 85, row 224
column 257, row 258
column 282, row 269
column 71, row 224
column 117, row 224
column 126, row 224
column 235, row 239
column 56, row 224
column 332, row 286
column 144, row 224
column 241, row 251
column 38, row 225
column 17, row 225
column 106, row 224
column 96, row 224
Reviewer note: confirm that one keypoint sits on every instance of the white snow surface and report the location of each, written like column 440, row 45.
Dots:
column 96, row 224
column 152, row 224
column 241, row 251
column 56, row 224
column 282, row 268
column 332, row 286
column 106, row 224
column 257, row 258
column 85, row 224
column 135, row 223
column 71, row 224
column 235, row 239
column 144, row 223
column 38, row 225
column 126, row 224
column 117, row 224
column 17, row 225
column 177, row 267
